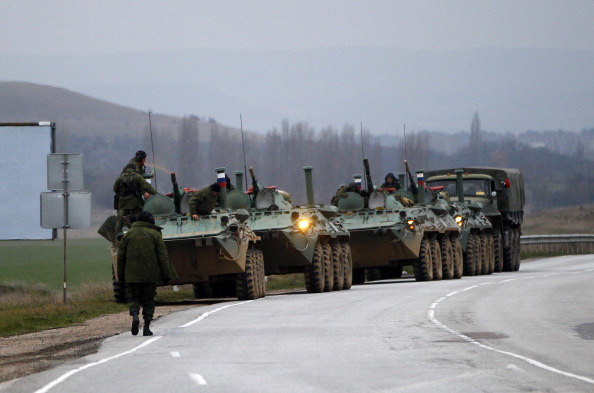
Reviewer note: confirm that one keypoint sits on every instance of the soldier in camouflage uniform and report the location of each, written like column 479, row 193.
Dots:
column 130, row 187
column 143, row 264
column 390, row 181
column 342, row 192
column 204, row 201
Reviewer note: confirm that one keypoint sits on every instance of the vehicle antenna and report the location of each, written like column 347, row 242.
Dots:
column 243, row 147
column 405, row 179
column 153, row 150
column 363, row 152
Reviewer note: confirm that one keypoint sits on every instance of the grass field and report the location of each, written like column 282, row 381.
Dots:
column 42, row 262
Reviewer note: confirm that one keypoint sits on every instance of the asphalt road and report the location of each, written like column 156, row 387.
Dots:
column 529, row 331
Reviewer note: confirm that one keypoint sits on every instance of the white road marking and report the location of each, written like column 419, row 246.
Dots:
column 175, row 354
column 63, row 377
column 431, row 315
column 198, row 379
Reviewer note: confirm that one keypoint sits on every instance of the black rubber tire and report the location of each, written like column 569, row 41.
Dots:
column 422, row 266
column 314, row 273
column 471, row 256
column 457, row 257
column 498, row 252
column 347, row 264
column 328, row 267
column 490, row 253
column 246, row 283
column 261, row 274
column 483, row 255
column 447, row 264
column 338, row 265
column 436, row 260
column 516, row 249
column 508, row 252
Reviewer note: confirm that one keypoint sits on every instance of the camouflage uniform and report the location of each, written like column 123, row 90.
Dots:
column 143, row 263
column 343, row 191
column 203, row 202
column 395, row 182
column 141, row 169
column 129, row 188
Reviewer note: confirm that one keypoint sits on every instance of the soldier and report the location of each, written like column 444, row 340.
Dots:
column 203, row 201
column 342, row 192
column 139, row 159
column 130, row 187
column 143, row 263
column 390, row 181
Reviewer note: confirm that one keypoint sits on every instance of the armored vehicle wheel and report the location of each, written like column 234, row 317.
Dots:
column 471, row 256
column 484, row 254
column 261, row 274
column 347, row 264
column 328, row 268
column 508, row 251
column 457, row 256
column 422, row 266
column 490, row 254
column 497, row 252
column 247, row 282
column 516, row 232
column 436, row 260
column 119, row 288
column 338, row 265
column 447, row 262
column 203, row 290
column 314, row 273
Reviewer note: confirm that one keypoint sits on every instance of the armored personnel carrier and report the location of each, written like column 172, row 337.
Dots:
column 389, row 231
column 296, row 239
column 219, row 247
column 501, row 193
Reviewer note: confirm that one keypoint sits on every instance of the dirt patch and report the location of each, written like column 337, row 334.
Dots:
column 34, row 352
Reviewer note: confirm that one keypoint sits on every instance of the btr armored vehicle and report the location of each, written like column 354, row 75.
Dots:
column 217, row 248
column 296, row 239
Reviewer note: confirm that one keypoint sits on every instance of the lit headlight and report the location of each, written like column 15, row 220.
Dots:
column 303, row 224
column 459, row 220
column 410, row 224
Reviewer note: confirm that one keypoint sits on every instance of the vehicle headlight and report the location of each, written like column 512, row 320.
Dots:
column 411, row 224
column 303, row 224
column 459, row 220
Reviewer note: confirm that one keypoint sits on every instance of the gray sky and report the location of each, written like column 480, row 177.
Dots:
column 108, row 26
column 522, row 64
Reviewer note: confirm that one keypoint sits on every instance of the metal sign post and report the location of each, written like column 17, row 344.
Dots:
column 65, row 209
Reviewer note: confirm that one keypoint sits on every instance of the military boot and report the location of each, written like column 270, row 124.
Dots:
column 135, row 323
column 146, row 331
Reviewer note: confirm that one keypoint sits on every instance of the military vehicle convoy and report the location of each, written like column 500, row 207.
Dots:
column 388, row 233
column 296, row 239
column 218, row 247
column 501, row 193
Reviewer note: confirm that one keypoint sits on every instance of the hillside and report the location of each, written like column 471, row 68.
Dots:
column 568, row 220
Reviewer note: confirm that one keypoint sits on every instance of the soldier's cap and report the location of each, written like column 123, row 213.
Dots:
column 146, row 216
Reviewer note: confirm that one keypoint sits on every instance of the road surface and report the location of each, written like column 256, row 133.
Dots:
column 527, row 331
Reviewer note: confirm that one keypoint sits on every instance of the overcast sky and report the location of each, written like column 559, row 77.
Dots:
column 513, row 90
column 108, row 26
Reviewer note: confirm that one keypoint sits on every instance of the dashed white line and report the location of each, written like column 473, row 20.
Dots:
column 63, row 377
column 431, row 315
column 175, row 354
column 198, row 379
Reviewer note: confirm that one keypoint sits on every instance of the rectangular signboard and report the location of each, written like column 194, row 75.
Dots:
column 79, row 210
column 64, row 170
column 23, row 175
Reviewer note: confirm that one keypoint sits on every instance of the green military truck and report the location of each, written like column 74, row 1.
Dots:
column 501, row 192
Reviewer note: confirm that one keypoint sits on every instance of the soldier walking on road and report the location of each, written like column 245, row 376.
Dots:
column 143, row 263
column 130, row 188
column 203, row 201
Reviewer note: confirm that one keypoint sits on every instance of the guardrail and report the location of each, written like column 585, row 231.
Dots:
column 558, row 244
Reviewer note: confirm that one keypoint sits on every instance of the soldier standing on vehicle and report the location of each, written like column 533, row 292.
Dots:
column 390, row 181
column 344, row 190
column 143, row 264
column 139, row 160
column 130, row 187
column 204, row 201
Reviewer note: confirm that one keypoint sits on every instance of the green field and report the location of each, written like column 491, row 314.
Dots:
column 42, row 261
